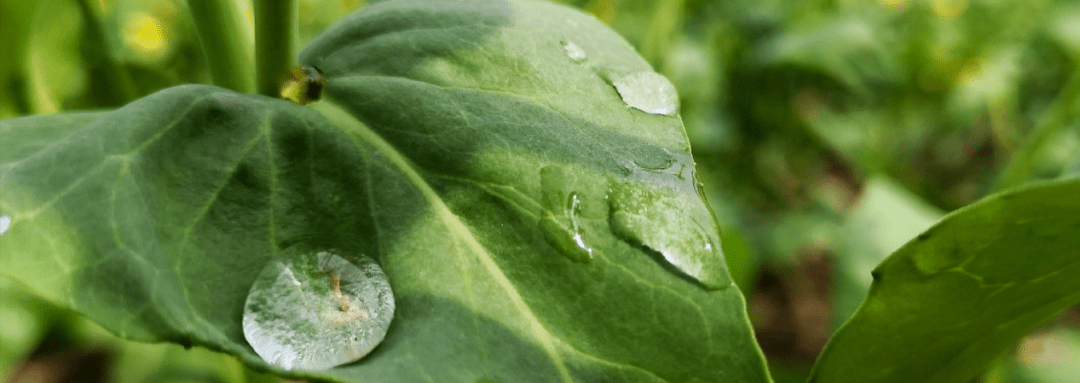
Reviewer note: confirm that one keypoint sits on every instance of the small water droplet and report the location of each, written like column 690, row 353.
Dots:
column 562, row 230
column 5, row 224
column 311, row 310
column 573, row 51
column 663, row 168
column 936, row 257
column 560, row 218
column 648, row 92
column 656, row 162
column 303, row 85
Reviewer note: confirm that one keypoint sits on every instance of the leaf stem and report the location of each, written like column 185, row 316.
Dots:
column 276, row 31
column 227, row 47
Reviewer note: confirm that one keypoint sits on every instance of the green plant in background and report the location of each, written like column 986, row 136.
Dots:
column 521, row 176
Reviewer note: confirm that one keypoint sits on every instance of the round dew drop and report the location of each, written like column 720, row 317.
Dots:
column 315, row 310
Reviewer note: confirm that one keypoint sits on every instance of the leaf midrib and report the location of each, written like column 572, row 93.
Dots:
column 337, row 114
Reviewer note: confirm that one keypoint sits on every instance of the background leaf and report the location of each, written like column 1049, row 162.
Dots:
column 947, row 303
column 450, row 129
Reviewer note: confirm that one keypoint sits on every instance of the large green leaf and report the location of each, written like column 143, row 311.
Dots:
column 459, row 146
column 944, row 305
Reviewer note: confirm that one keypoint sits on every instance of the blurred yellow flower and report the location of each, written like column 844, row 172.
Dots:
column 144, row 34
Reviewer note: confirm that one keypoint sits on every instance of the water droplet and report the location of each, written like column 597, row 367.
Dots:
column 5, row 224
column 563, row 231
column 940, row 256
column 303, row 85
column 648, row 92
column 663, row 168
column 655, row 162
column 663, row 211
column 573, row 51
column 560, row 218
column 315, row 310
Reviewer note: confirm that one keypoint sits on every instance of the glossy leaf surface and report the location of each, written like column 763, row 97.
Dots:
column 948, row 302
column 447, row 131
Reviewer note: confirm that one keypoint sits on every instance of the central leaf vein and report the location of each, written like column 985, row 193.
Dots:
column 337, row 114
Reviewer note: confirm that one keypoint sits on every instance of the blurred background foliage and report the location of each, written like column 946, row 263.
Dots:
column 827, row 133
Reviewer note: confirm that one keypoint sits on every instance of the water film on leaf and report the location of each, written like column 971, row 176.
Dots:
column 678, row 231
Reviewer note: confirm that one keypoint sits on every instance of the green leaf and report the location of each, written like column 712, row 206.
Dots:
column 457, row 145
column 944, row 305
column 887, row 217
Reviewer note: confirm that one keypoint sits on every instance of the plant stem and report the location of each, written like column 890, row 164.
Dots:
column 100, row 52
column 224, row 42
column 276, row 30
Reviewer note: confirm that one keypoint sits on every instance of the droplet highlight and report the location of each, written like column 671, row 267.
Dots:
column 648, row 92
column 5, row 224
column 573, row 51
column 313, row 310
column 303, row 85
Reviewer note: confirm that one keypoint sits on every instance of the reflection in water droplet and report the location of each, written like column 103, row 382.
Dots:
column 303, row 85
column 647, row 91
column 5, row 224
column 573, row 51
column 315, row 310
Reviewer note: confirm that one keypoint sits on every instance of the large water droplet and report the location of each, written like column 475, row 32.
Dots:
column 648, row 92
column 573, row 51
column 559, row 220
column 315, row 310
column 303, row 85
column 5, row 224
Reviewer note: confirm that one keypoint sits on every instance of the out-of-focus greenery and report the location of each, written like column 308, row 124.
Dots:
column 791, row 107
column 57, row 53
